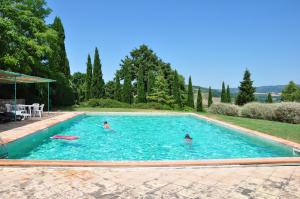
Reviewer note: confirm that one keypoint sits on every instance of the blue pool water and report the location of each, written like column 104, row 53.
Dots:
column 143, row 137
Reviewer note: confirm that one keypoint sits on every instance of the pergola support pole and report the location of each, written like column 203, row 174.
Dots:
column 48, row 98
column 15, row 100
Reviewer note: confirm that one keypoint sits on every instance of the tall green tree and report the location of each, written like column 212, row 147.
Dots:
column 228, row 95
column 110, row 89
column 88, row 78
column 269, row 98
column 159, row 92
column 209, row 100
column 223, row 94
column 150, row 81
column 127, row 88
column 60, row 55
column 291, row 92
column 97, row 89
column 190, row 96
column 118, row 90
column 78, row 86
column 199, row 101
column 141, row 96
column 246, row 90
column 176, row 89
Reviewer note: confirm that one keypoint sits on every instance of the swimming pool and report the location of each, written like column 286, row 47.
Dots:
column 143, row 137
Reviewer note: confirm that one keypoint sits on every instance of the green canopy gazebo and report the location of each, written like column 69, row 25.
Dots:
column 7, row 77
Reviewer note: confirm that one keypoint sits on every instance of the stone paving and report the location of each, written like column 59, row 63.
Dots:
column 220, row 182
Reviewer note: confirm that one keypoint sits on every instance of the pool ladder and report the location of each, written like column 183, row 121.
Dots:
column 3, row 150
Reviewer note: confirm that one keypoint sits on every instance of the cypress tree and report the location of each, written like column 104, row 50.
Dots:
column 118, row 92
column 176, row 90
column 223, row 94
column 190, row 97
column 246, row 90
column 61, row 55
column 88, row 78
column 269, row 98
column 159, row 92
column 150, row 81
column 127, row 88
column 97, row 90
column 210, row 100
column 199, row 101
column 228, row 95
column 141, row 97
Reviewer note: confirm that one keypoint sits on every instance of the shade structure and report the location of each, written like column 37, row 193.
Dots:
column 7, row 77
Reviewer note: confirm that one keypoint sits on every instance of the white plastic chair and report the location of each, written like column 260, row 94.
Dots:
column 35, row 109
column 23, row 110
column 40, row 110
column 8, row 107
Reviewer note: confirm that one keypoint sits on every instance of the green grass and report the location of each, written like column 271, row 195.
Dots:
column 283, row 130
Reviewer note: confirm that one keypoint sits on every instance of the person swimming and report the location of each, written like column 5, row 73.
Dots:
column 106, row 125
column 188, row 138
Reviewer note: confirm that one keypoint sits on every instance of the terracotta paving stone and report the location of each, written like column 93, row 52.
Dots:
column 184, row 182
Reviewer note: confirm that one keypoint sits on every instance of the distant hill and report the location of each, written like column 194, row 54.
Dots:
column 260, row 89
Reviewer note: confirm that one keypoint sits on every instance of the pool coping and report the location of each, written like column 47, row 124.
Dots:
column 17, row 133
column 23, row 131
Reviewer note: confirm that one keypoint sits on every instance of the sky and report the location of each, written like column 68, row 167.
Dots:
column 212, row 40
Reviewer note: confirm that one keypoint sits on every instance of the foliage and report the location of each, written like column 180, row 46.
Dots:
column 269, row 98
column 78, row 86
column 152, row 65
column 118, row 89
column 199, row 101
column 127, row 88
column 97, row 89
column 89, row 77
column 59, row 61
column 288, row 112
column 228, row 95
column 152, row 105
column 257, row 110
column 141, row 97
column 291, row 92
column 106, row 103
column 176, row 90
column 246, row 90
column 62, row 93
column 223, row 94
column 224, row 109
column 210, row 100
column 190, row 95
column 159, row 92
column 109, row 88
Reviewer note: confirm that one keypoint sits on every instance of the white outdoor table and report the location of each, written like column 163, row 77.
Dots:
column 27, row 106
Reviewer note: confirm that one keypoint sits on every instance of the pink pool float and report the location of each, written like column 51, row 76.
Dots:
column 65, row 137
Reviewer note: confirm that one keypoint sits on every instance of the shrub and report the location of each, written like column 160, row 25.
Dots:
column 106, row 103
column 288, row 112
column 224, row 109
column 257, row 110
column 152, row 105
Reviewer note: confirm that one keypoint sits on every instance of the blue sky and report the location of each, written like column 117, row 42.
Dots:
column 212, row 40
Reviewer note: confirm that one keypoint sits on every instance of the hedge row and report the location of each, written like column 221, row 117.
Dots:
column 288, row 112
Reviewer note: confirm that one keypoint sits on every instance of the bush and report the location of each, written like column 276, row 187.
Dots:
column 152, row 105
column 106, row 103
column 257, row 110
column 288, row 112
column 224, row 109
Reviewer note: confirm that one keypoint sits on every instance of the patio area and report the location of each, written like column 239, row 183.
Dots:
column 187, row 182
column 16, row 124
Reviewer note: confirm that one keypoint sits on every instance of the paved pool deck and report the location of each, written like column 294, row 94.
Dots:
column 184, row 182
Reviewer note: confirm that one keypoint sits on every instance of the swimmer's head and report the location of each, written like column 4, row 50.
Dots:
column 105, row 122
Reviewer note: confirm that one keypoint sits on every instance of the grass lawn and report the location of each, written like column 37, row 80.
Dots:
column 283, row 130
